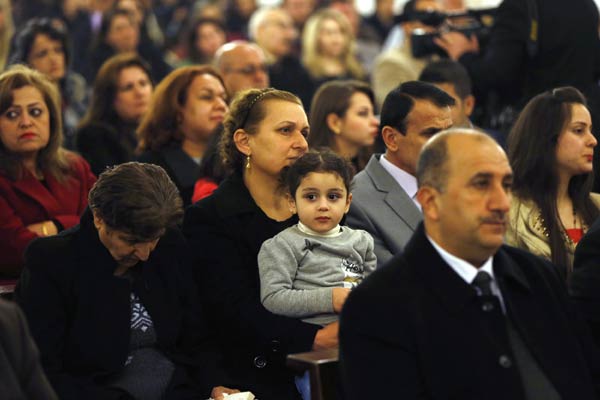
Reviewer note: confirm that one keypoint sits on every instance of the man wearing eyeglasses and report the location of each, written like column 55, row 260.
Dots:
column 242, row 66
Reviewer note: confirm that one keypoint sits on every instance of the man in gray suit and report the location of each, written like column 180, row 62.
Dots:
column 383, row 194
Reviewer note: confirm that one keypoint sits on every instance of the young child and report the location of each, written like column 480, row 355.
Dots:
column 307, row 270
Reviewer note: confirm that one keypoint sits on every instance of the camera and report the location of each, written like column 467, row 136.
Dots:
column 471, row 22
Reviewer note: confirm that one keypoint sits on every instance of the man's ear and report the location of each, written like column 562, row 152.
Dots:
column 291, row 203
column 334, row 122
column 242, row 141
column 98, row 222
column 428, row 197
column 389, row 136
column 469, row 104
column 348, row 202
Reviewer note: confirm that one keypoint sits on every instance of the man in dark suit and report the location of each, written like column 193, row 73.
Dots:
column 383, row 201
column 459, row 315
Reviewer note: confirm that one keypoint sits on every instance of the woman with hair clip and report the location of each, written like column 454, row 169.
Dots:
column 328, row 48
column 551, row 148
column 342, row 118
column 43, row 188
column 186, row 109
column 264, row 132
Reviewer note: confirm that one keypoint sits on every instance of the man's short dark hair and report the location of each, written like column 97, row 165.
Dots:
column 400, row 101
column 448, row 71
column 138, row 199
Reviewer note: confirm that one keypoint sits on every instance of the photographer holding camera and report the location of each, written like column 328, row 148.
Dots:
column 400, row 65
column 533, row 46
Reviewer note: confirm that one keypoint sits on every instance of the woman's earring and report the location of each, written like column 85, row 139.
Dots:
column 248, row 161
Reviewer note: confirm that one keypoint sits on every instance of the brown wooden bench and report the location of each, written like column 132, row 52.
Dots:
column 322, row 367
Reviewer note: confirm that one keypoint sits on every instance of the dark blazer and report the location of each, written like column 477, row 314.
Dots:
column 180, row 167
column 22, row 376
column 584, row 281
column 225, row 231
column 80, row 313
column 428, row 340
column 381, row 207
column 28, row 201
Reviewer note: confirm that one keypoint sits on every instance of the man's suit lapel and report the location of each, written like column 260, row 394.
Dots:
column 452, row 291
column 395, row 197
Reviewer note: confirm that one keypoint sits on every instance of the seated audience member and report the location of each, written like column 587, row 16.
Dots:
column 366, row 39
column 110, row 302
column 43, row 188
column 273, row 30
column 211, row 171
column 22, row 374
column 242, row 65
column 472, row 318
column 187, row 107
column 452, row 78
column 237, row 17
column 43, row 45
column 584, row 280
column 328, row 48
column 308, row 270
column 120, row 34
column 398, row 65
column 384, row 193
column 144, row 17
column 121, row 95
column 342, row 119
column 265, row 131
column 551, row 147
column 205, row 37
column 299, row 10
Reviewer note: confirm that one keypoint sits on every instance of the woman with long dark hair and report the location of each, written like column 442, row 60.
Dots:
column 551, row 148
column 342, row 119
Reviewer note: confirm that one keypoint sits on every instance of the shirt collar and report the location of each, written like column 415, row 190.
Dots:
column 463, row 268
column 404, row 179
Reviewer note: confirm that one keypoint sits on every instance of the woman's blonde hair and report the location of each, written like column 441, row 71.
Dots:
column 160, row 125
column 52, row 158
column 311, row 53
column 247, row 111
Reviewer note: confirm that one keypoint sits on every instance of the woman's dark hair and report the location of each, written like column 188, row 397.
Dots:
column 52, row 158
column 317, row 161
column 334, row 97
column 102, row 108
column 532, row 154
column 53, row 28
column 138, row 199
column 193, row 53
column 107, row 19
column 211, row 165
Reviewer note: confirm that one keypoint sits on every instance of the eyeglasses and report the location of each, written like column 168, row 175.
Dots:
column 249, row 69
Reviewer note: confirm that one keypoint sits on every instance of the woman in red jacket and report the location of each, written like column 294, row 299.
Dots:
column 43, row 188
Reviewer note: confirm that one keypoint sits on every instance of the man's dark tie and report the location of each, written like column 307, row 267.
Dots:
column 483, row 282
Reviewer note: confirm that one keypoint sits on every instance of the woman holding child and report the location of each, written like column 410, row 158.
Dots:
column 264, row 133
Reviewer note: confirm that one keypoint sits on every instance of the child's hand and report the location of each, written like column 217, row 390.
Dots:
column 339, row 298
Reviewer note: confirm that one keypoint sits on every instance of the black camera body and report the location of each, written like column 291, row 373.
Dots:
column 472, row 22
